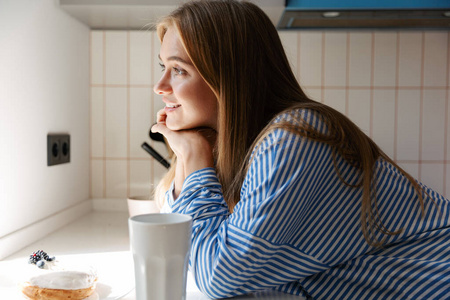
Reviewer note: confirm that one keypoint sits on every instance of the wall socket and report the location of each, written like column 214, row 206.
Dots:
column 58, row 149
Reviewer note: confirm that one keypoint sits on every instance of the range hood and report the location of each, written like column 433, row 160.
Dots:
column 362, row 14
column 140, row 14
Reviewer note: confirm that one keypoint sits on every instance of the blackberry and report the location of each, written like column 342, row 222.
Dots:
column 39, row 255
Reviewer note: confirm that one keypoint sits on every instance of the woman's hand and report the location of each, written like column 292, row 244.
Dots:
column 193, row 148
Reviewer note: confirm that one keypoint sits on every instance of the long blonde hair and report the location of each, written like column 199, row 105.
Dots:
column 238, row 52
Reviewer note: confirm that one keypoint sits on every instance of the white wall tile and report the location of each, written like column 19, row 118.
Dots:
column 141, row 110
column 335, row 59
column 116, row 179
column 385, row 59
column 290, row 44
column 435, row 58
column 384, row 120
column 447, row 128
column 433, row 123
column 96, row 59
column 116, row 122
column 359, row 109
column 97, row 122
column 310, row 63
column 335, row 98
column 432, row 175
column 314, row 93
column 156, row 69
column 141, row 177
column 116, row 57
column 158, row 104
column 408, row 126
column 141, row 56
column 447, row 182
column 360, row 56
column 155, row 105
column 410, row 59
column 411, row 168
column 97, row 178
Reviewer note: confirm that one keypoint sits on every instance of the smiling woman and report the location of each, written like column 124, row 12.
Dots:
column 285, row 192
column 180, row 85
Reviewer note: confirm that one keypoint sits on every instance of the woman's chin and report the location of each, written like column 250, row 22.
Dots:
column 175, row 127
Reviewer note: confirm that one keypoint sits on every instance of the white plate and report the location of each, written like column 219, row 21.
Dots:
column 114, row 269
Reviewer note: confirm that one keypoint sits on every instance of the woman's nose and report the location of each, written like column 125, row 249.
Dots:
column 162, row 86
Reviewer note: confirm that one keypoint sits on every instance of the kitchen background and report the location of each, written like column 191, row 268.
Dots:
column 58, row 76
column 394, row 85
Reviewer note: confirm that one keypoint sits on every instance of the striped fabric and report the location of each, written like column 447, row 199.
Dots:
column 297, row 228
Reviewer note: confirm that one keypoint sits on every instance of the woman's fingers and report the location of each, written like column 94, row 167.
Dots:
column 161, row 116
column 160, row 128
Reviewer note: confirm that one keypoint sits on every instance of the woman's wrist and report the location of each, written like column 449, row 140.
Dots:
column 197, row 154
column 189, row 164
column 196, row 162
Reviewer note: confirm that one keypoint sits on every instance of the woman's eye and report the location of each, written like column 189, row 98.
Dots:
column 176, row 70
column 179, row 71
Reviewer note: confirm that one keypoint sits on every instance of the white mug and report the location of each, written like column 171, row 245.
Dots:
column 139, row 205
column 160, row 244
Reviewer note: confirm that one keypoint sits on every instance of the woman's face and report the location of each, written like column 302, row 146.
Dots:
column 190, row 103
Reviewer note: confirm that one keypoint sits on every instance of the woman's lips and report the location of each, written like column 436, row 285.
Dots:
column 171, row 107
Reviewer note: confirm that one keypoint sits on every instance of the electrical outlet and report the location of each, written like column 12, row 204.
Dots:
column 58, row 149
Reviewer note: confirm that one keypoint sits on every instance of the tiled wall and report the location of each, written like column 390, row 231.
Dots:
column 124, row 66
column 394, row 85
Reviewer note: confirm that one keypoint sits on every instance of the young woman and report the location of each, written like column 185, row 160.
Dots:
column 285, row 192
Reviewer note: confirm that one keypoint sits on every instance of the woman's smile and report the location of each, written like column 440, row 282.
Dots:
column 171, row 107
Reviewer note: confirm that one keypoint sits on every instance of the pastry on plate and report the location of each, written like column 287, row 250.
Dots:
column 51, row 279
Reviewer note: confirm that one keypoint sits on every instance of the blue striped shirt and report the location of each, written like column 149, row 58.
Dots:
column 297, row 228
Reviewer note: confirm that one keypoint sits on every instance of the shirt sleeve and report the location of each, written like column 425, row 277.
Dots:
column 251, row 249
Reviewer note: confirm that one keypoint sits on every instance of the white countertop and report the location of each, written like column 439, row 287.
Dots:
column 99, row 239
